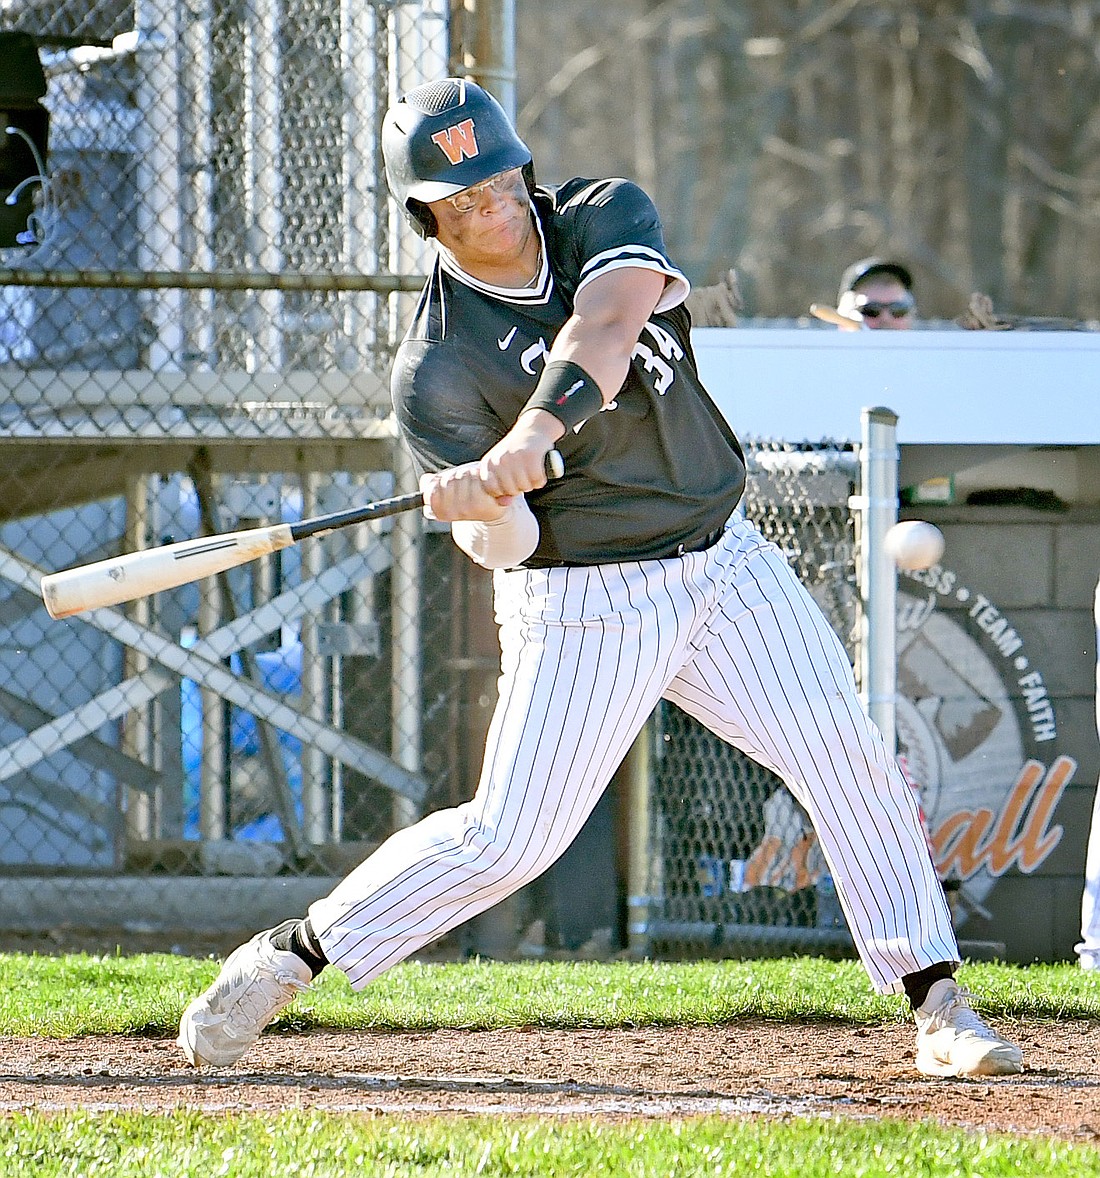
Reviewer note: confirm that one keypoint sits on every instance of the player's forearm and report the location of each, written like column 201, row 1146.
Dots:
column 604, row 354
column 607, row 320
column 589, row 360
column 501, row 543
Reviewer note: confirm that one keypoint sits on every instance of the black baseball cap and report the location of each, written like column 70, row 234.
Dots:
column 865, row 267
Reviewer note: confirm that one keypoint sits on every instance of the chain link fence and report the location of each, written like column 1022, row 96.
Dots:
column 201, row 284
column 199, row 297
column 735, row 862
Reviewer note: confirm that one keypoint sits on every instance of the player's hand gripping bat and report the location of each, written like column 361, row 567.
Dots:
column 151, row 570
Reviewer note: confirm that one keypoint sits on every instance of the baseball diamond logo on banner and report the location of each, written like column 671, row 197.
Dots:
column 977, row 734
column 977, row 739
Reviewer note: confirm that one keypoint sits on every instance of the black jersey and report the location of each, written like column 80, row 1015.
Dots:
column 653, row 473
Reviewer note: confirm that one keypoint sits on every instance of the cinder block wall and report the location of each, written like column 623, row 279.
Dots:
column 1039, row 569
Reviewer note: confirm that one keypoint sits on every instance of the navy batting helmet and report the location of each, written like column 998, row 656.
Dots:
column 443, row 137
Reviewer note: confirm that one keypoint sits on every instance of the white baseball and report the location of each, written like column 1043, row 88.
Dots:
column 914, row 544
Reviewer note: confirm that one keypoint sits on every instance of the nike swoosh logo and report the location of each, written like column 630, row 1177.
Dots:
column 503, row 343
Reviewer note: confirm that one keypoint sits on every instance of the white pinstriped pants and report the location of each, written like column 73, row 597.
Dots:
column 1088, row 948
column 732, row 637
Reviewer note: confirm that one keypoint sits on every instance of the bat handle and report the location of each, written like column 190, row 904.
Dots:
column 321, row 525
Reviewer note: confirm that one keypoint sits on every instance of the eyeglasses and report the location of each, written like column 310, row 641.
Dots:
column 896, row 310
column 468, row 199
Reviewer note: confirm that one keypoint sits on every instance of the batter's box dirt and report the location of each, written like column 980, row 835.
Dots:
column 752, row 1067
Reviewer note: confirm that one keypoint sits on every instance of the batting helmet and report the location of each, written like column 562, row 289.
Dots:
column 443, row 137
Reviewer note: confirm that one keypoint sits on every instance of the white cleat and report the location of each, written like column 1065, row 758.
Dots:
column 953, row 1041
column 255, row 983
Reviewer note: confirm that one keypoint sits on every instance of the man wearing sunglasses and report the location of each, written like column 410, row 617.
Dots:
column 876, row 294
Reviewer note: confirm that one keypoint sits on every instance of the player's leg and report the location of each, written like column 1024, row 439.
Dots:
column 1088, row 948
column 582, row 668
column 580, row 671
column 772, row 678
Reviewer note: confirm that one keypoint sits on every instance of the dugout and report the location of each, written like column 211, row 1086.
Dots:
column 996, row 650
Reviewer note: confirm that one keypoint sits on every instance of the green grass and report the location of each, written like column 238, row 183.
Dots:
column 184, row 1143
column 85, row 995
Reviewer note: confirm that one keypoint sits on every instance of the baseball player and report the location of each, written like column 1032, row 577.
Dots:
column 553, row 317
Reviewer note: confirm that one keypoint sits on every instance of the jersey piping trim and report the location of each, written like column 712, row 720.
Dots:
column 639, row 257
column 442, row 304
column 582, row 194
column 527, row 296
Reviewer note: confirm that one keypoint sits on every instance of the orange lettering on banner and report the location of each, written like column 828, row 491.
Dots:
column 1002, row 847
column 968, row 839
column 767, row 866
column 963, row 856
column 762, row 861
column 799, row 856
column 458, row 142
column 962, row 844
column 1033, row 848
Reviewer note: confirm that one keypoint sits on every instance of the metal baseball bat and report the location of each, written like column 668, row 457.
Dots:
column 152, row 570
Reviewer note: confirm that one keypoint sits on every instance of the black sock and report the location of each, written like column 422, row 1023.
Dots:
column 918, row 984
column 298, row 937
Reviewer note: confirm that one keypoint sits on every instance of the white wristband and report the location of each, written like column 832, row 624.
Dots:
column 503, row 543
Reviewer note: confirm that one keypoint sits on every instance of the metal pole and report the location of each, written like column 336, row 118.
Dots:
column 483, row 46
column 159, row 181
column 197, row 80
column 637, row 767
column 262, row 174
column 507, row 85
column 317, row 813
column 140, row 805
column 878, row 586
column 364, row 207
column 408, row 609
column 208, row 280
column 496, row 66
column 213, row 813
column 270, row 750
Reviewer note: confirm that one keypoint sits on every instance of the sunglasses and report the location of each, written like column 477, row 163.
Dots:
column 468, row 199
column 896, row 310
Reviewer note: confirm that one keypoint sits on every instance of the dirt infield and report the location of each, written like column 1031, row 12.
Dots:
column 747, row 1068
column 751, row 1067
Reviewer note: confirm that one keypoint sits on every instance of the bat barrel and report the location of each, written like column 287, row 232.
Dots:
column 152, row 570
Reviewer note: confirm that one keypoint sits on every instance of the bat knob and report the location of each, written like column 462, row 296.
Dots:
column 555, row 465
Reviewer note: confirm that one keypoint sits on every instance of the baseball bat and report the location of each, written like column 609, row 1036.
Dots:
column 152, row 570
column 829, row 314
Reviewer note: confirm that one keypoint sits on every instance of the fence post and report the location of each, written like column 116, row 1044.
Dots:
column 407, row 682
column 155, row 39
column 637, row 768
column 878, row 507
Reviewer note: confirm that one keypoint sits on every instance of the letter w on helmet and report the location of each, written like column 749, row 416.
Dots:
column 458, row 142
